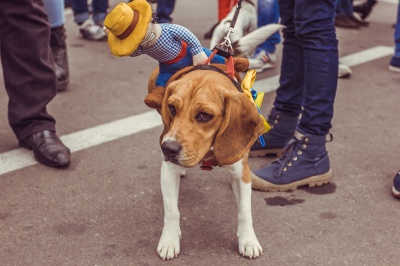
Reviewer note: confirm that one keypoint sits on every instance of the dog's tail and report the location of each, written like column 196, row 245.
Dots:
column 248, row 43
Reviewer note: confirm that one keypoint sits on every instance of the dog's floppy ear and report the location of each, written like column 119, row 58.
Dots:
column 240, row 128
column 164, row 111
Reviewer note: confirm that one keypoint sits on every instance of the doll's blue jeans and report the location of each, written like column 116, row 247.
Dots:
column 309, row 69
column 166, row 71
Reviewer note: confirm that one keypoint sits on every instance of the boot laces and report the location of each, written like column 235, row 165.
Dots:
column 284, row 161
column 293, row 148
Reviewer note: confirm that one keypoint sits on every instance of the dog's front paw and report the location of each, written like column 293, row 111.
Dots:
column 250, row 247
column 168, row 247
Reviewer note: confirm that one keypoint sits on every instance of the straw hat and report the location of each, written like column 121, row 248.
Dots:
column 127, row 25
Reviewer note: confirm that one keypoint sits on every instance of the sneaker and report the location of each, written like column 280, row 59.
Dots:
column 394, row 64
column 344, row 71
column 304, row 162
column 91, row 31
column 262, row 61
column 396, row 186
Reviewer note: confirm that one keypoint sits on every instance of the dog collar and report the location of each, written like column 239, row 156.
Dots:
column 208, row 161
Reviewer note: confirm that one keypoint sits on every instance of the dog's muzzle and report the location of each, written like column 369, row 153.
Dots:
column 171, row 150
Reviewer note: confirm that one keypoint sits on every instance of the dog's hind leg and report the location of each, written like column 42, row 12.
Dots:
column 241, row 186
column 169, row 244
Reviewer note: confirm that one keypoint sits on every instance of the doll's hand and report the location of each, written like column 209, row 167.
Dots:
column 105, row 30
column 199, row 59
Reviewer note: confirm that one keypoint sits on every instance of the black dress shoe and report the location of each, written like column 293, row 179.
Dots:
column 344, row 21
column 47, row 148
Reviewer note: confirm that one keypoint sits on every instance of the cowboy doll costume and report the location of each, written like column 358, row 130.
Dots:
column 131, row 32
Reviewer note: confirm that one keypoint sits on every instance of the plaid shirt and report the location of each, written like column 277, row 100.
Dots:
column 169, row 44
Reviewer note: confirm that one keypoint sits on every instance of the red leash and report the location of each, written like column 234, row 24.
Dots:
column 230, row 68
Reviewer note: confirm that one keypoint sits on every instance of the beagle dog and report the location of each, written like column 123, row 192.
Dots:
column 205, row 115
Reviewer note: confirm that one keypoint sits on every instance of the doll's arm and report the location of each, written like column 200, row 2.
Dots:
column 199, row 59
column 183, row 34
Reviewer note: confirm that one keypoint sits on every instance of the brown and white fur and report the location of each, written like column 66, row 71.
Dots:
column 203, row 112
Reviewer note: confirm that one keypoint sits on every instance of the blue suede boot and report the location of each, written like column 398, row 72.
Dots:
column 305, row 161
column 282, row 130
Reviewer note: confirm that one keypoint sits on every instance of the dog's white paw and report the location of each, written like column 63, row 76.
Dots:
column 250, row 247
column 168, row 247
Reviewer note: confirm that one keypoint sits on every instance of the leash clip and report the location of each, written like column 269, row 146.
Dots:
column 225, row 49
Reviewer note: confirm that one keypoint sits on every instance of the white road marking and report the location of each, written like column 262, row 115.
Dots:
column 272, row 83
column 395, row 2
column 20, row 158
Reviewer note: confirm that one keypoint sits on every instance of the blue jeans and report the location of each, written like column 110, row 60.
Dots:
column 309, row 67
column 397, row 34
column 164, row 10
column 344, row 7
column 55, row 12
column 166, row 71
column 268, row 12
column 81, row 10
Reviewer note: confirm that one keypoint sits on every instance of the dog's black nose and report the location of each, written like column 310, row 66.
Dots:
column 171, row 149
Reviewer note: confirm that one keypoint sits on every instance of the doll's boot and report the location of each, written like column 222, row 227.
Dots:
column 155, row 98
column 240, row 64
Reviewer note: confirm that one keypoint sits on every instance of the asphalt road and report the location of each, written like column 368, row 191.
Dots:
column 106, row 208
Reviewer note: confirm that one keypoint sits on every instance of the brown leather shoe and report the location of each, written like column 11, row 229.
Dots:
column 47, row 148
column 344, row 21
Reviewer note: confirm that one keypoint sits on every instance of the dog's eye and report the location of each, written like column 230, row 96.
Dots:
column 204, row 117
column 172, row 110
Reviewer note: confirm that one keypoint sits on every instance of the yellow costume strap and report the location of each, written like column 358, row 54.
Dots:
column 255, row 97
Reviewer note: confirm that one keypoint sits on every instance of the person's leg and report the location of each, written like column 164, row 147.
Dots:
column 395, row 61
column 55, row 12
column 29, row 75
column 349, row 11
column 87, row 27
column 339, row 7
column 99, row 11
column 81, row 11
column 305, row 160
column 264, row 56
column 289, row 97
column 30, row 79
column 344, row 14
column 397, row 34
column 164, row 10
column 268, row 12
column 320, row 48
